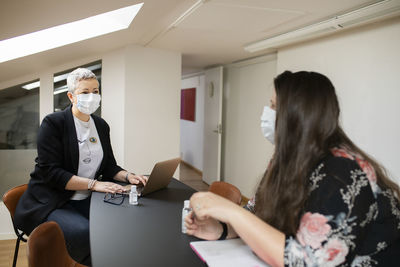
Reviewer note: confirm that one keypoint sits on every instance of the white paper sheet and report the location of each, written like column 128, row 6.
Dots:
column 231, row 252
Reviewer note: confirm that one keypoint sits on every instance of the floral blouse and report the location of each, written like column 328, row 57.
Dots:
column 348, row 220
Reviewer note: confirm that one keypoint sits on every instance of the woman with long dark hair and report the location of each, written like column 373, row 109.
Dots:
column 322, row 201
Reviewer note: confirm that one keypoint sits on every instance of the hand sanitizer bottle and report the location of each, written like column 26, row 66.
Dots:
column 185, row 211
column 133, row 196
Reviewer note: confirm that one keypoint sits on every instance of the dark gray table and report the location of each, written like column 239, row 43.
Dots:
column 145, row 235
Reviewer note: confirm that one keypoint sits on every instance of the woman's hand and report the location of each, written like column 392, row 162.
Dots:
column 266, row 241
column 208, row 210
column 137, row 179
column 209, row 205
column 108, row 187
column 208, row 229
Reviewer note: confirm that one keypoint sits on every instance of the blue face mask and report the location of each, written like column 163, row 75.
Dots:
column 268, row 123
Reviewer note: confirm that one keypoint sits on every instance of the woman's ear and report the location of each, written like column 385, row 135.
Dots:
column 273, row 100
column 71, row 97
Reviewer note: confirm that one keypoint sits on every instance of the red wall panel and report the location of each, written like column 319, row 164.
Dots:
column 188, row 104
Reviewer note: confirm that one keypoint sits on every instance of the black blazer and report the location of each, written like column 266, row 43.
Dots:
column 56, row 163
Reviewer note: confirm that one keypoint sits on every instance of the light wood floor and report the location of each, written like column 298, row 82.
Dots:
column 7, row 253
column 187, row 176
column 192, row 178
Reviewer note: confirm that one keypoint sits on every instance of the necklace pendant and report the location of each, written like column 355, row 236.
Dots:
column 87, row 160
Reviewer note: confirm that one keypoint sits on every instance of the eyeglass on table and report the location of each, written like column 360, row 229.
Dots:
column 114, row 198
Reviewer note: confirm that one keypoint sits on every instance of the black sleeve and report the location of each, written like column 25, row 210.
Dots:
column 50, row 147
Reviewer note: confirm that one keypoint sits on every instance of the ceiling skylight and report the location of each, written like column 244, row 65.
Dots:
column 69, row 33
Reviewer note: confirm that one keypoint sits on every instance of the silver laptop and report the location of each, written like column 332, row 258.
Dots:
column 160, row 176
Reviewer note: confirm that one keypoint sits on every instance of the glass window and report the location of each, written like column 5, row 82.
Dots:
column 19, row 116
column 61, row 100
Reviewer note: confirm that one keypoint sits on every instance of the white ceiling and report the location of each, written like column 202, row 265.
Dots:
column 213, row 34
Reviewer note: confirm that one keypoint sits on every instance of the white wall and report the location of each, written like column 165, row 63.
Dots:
column 152, row 107
column 113, row 87
column 191, row 143
column 246, row 153
column 6, row 228
column 363, row 65
column 46, row 96
column 15, row 167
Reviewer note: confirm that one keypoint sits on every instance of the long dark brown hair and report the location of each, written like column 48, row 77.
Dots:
column 306, row 129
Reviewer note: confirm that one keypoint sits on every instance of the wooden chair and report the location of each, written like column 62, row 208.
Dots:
column 10, row 199
column 46, row 247
column 226, row 190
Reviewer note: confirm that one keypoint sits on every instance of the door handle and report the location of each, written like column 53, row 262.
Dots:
column 219, row 129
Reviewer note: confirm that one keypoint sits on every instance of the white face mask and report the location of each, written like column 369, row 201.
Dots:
column 268, row 123
column 88, row 103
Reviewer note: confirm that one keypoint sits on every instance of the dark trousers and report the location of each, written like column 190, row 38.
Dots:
column 73, row 219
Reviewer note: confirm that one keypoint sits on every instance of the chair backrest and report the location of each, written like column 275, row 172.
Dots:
column 46, row 247
column 12, row 196
column 226, row 190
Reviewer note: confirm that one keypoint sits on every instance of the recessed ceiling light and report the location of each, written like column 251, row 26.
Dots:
column 61, row 89
column 68, row 33
column 31, row 86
